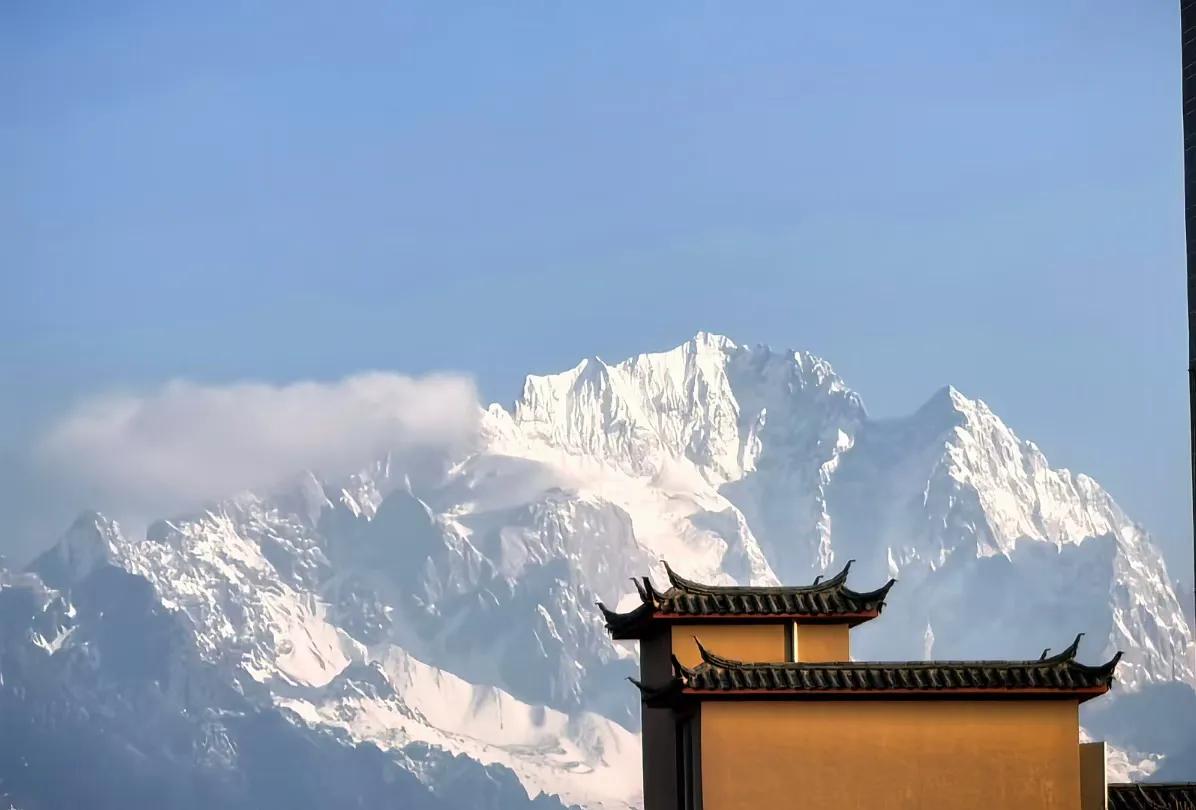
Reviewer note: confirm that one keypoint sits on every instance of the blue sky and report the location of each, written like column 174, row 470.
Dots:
column 983, row 194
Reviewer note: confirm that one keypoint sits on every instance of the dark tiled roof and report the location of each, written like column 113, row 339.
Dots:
column 1059, row 675
column 1157, row 796
column 685, row 599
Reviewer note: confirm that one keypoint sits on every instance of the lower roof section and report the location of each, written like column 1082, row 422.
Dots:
column 1153, row 796
column 1059, row 676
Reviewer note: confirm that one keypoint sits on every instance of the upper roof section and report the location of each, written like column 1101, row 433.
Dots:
column 1057, row 676
column 687, row 601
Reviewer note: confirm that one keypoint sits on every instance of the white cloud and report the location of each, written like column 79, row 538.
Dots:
column 186, row 443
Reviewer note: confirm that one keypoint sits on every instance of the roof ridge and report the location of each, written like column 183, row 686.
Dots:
column 688, row 585
column 1066, row 657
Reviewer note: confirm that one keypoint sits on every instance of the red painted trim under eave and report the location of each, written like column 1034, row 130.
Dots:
column 1086, row 693
column 813, row 618
column 636, row 629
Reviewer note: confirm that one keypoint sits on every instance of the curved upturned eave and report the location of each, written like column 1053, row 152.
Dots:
column 629, row 625
column 877, row 596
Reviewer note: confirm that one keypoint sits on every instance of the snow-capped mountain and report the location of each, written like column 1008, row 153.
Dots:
column 437, row 638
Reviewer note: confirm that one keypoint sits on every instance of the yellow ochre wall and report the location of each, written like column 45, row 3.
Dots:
column 880, row 755
column 1094, row 784
column 741, row 642
column 821, row 642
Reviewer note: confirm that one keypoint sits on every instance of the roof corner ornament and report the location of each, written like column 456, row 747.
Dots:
column 1045, row 652
column 652, row 596
column 674, row 579
column 639, row 588
column 1070, row 653
column 680, row 671
column 710, row 658
column 841, row 577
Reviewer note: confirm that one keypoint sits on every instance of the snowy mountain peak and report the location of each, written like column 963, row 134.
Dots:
column 947, row 403
column 1023, row 496
column 712, row 340
column 706, row 403
column 91, row 541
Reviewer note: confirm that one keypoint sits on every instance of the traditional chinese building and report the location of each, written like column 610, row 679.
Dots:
column 751, row 700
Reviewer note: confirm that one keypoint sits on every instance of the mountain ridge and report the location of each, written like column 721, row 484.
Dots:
column 372, row 608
